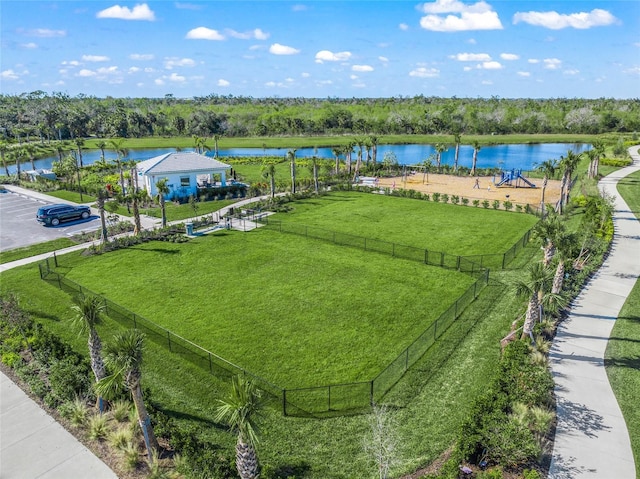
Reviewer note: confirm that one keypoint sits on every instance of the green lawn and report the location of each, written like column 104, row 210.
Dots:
column 177, row 212
column 458, row 230
column 623, row 350
column 72, row 196
column 299, row 312
column 34, row 250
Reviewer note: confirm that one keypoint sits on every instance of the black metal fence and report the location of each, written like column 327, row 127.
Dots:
column 466, row 264
column 326, row 398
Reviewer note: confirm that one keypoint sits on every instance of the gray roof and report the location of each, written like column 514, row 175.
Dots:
column 188, row 161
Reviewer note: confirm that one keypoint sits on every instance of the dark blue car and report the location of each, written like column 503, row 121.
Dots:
column 53, row 215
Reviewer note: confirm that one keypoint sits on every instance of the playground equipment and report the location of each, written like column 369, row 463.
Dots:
column 509, row 177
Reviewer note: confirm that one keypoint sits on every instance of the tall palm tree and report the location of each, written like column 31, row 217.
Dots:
column 162, row 188
column 292, row 161
column 337, row 151
column 89, row 311
column 598, row 147
column 102, row 145
column 564, row 247
column 373, row 139
column 216, row 138
column 348, row 151
column 534, row 287
column 360, row 144
column 240, row 411
column 568, row 164
column 118, row 146
column 60, row 147
column 314, row 172
column 548, row 167
column 101, row 197
column 457, row 137
column 476, row 149
column 123, row 358
column 269, row 171
column 79, row 144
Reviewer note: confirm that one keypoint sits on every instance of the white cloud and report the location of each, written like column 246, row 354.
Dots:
column 571, row 72
column 187, row 6
column 383, row 59
column 222, row 82
column 556, row 21
column 423, row 72
column 471, row 57
column 353, row 77
column 305, row 75
column 524, row 74
column 477, row 16
column 73, row 63
column 204, row 33
column 633, row 71
column 107, row 70
column 173, row 62
column 533, row 60
column 552, row 63
column 174, row 77
column 467, row 69
column 486, row 82
column 134, row 70
column 149, row 70
column 362, row 68
column 509, row 56
column 472, row 41
column 256, row 34
column 9, row 75
column 493, row 65
column 29, row 46
column 139, row 12
column 327, row 56
column 86, row 73
column 141, row 56
column 298, row 8
column 158, row 81
column 46, row 33
column 277, row 49
column 95, row 58
column 403, row 26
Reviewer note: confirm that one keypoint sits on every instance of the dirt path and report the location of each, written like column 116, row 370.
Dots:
column 464, row 187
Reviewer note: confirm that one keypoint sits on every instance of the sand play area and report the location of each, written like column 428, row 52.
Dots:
column 486, row 190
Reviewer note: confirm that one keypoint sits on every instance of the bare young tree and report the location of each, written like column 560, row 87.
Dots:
column 381, row 443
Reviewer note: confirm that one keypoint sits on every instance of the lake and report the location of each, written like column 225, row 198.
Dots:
column 519, row 156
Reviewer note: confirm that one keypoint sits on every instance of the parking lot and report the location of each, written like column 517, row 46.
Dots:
column 18, row 225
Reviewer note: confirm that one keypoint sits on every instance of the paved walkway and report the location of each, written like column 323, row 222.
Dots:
column 592, row 440
column 33, row 445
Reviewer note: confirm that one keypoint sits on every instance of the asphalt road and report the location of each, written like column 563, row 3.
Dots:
column 18, row 225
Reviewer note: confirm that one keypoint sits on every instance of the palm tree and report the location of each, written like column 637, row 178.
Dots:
column 163, row 190
column 60, row 147
column 476, row 149
column 269, row 171
column 89, row 311
column 548, row 230
column 564, row 247
column 598, row 147
column 360, row 144
column 4, row 148
column 457, row 137
column 426, row 165
column 337, row 151
column 239, row 411
column 314, row 171
column 373, row 139
column 79, row 144
column 216, row 138
column 534, row 287
column 101, row 197
column 118, row 145
column 440, row 148
column 18, row 155
column 348, row 151
column 292, row 160
column 568, row 164
column 30, row 151
column 102, row 145
column 548, row 167
column 123, row 358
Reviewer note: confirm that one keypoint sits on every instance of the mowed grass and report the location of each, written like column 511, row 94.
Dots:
column 297, row 312
column 622, row 357
column 458, row 230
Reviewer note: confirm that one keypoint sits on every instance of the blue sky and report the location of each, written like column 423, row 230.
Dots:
column 508, row 49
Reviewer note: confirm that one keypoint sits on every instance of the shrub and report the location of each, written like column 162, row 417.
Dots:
column 445, row 198
column 485, row 204
column 495, row 204
column 465, row 201
column 121, row 437
column 75, row 411
column 69, row 377
column 435, row 197
column 98, row 428
column 455, row 199
column 476, row 203
column 120, row 410
column 508, row 205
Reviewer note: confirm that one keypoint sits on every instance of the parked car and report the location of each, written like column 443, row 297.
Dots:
column 53, row 215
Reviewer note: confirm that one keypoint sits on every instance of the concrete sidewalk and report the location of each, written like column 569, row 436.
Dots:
column 592, row 440
column 33, row 445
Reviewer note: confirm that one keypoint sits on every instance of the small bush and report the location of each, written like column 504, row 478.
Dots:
column 131, row 456
column 495, row 204
column 485, row 204
column 98, row 428
column 445, row 198
column 476, row 203
column 75, row 411
column 121, row 437
column 435, row 197
column 120, row 410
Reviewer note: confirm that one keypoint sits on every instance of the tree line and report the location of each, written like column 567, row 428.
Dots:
column 58, row 116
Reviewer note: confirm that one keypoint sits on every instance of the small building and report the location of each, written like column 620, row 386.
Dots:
column 185, row 173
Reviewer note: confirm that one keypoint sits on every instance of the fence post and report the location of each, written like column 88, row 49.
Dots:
column 135, row 324
column 169, row 341
column 503, row 259
column 406, row 360
column 59, row 281
column 426, row 256
column 284, row 402
column 393, row 249
column 458, row 263
column 371, row 400
column 329, row 399
column 55, row 259
column 365, row 244
column 210, row 367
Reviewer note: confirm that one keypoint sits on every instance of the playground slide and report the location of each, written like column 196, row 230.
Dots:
column 509, row 176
